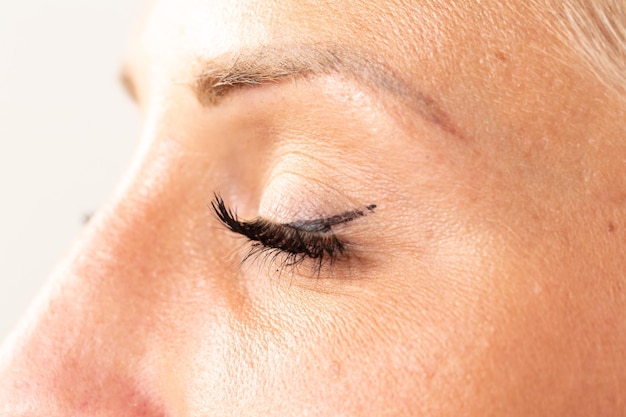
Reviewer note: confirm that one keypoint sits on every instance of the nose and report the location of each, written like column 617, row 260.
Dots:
column 98, row 339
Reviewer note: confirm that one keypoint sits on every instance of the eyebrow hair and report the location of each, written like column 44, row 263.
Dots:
column 227, row 73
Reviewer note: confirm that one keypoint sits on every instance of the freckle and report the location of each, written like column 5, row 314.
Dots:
column 501, row 56
column 611, row 228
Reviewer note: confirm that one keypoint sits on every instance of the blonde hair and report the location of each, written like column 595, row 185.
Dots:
column 596, row 29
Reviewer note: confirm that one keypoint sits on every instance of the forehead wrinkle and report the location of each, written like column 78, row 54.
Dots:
column 247, row 67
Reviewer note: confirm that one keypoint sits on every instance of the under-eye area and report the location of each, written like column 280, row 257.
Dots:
column 291, row 244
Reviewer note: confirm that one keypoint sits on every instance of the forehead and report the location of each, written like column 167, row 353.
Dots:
column 421, row 38
column 469, row 57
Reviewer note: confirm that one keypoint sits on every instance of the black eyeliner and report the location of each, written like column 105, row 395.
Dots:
column 325, row 225
column 298, row 240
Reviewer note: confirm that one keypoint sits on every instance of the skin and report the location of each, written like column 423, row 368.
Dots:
column 489, row 281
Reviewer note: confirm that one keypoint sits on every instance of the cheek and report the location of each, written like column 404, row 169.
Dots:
column 356, row 354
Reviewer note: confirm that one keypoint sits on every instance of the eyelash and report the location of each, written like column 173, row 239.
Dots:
column 295, row 241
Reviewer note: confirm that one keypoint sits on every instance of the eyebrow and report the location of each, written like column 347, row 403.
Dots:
column 225, row 74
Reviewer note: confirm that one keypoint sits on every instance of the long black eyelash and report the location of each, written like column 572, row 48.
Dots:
column 299, row 240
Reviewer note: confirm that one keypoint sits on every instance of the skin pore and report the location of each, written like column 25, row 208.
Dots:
column 489, row 281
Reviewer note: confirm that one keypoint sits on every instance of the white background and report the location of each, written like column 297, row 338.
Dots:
column 67, row 131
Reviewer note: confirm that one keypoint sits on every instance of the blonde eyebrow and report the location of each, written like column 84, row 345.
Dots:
column 250, row 67
column 228, row 73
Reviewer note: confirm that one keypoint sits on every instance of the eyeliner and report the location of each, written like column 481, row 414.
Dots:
column 298, row 240
column 324, row 225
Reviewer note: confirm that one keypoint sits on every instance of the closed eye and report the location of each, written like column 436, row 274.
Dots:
column 297, row 241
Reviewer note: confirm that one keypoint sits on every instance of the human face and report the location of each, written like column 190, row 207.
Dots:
column 488, row 280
